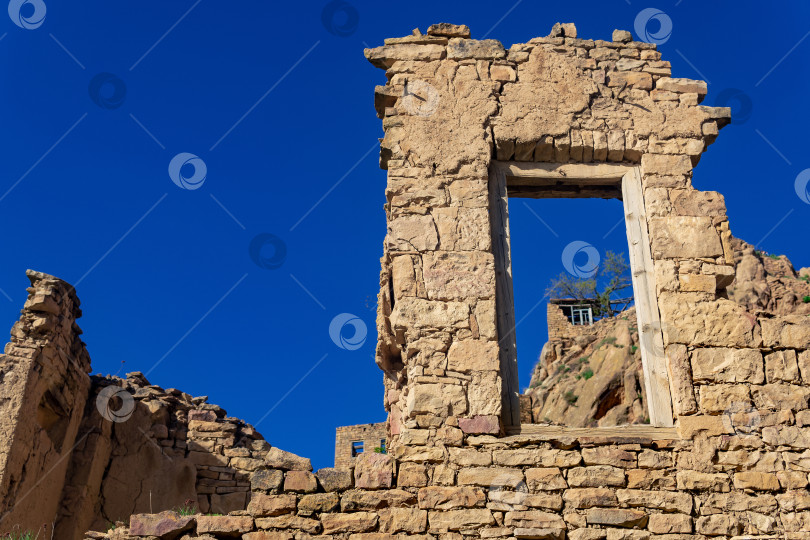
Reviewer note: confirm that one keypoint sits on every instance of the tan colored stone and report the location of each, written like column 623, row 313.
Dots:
column 590, row 497
column 455, row 520
column 670, row 524
column 405, row 520
column 300, row 482
column 684, row 237
column 616, row 517
column 606, row 455
column 542, row 479
column 727, row 365
column 373, row 471
column 661, row 500
column 490, row 476
column 450, row 498
column 349, row 523
column 317, row 503
column 650, row 479
column 718, row 525
column 279, row 459
column 782, row 366
column 412, row 475
column 597, row 476
column 473, row 355
column 271, row 505
column 224, row 525
column 756, row 480
column 694, row 480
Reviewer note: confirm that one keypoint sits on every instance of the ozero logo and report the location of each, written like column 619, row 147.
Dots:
column 107, row 91
column 115, row 404
column 268, row 251
column 572, row 259
column 356, row 328
column 653, row 26
column 740, row 103
column 340, row 18
column 28, row 14
column 802, row 185
column 187, row 171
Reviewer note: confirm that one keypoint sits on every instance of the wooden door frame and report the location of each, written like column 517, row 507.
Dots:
column 575, row 180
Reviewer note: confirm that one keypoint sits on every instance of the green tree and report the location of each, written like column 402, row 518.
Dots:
column 612, row 276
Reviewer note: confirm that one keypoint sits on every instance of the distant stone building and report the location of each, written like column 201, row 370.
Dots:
column 351, row 441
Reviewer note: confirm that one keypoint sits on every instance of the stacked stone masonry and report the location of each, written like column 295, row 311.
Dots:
column 374, row 438
column 737, row 461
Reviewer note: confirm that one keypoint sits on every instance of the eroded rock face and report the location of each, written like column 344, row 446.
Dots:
column 592, row 379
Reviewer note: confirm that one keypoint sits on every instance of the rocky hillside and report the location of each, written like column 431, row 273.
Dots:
column 595, row 378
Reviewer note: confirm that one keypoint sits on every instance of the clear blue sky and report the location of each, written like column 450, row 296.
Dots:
column 166, row 278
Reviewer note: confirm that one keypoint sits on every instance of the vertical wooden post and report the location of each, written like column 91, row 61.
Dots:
column 653, row 360
column 504, row 297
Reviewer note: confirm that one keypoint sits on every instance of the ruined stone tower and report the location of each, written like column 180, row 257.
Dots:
column 468, row 126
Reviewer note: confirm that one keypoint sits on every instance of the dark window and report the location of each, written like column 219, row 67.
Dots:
column 357, row 448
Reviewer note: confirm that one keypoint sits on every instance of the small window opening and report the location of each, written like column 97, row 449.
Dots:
column 357, row 448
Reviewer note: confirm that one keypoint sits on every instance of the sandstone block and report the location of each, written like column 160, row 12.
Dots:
column 684, row 237
column 695, row 480
column 437, row 399
column 412, row 475
column 781, row 397
column 450, row 498
column 279, row 459
column 756, row 480
column 373, row 471
column 533, row 519
column 782, row 366
column 478, row 425
column 334, row 479
column 449, row 30
column 718, row 525
column 454, row 520
column 616, row 517
column 792, row 332
column 606, row 455
column 266, row 479
column 669, row 524
column 596, row 476
column 590, row 497
column 727, row 365
column 661, row 500
column 467, row 457
column 317, row 503
column 166, row 525
column 650, row 479
column 224, row 525
column 300, row 482
column 486, row 49
column 349, row 523
column 717, row 398
column 473, row 355
column 271, row 505
column 665, row 165
column 494, row 476
column 356, row 499
column 404, row 520
column 450, row 275
column 290, row 521
column 682, row 86
column 420, row 313
column 543, row 479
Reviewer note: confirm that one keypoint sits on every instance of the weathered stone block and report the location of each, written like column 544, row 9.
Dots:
column 684, row 237
column 727, row 365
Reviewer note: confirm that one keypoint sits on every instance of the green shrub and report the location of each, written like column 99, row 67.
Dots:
column 570, row 397
column 633, row 349
column 587, row 374
column 584, row 360
column 774, row 256
column 189, row 508
column 806, row 299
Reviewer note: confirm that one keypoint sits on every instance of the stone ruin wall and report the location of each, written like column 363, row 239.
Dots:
column 372, row 435
column 737, row 461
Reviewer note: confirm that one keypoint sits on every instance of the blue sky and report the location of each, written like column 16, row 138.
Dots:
column 279, row 107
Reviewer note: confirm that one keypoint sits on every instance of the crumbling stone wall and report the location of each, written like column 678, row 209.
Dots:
column 737, row 460
column 43, row 389
column 372, row 435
